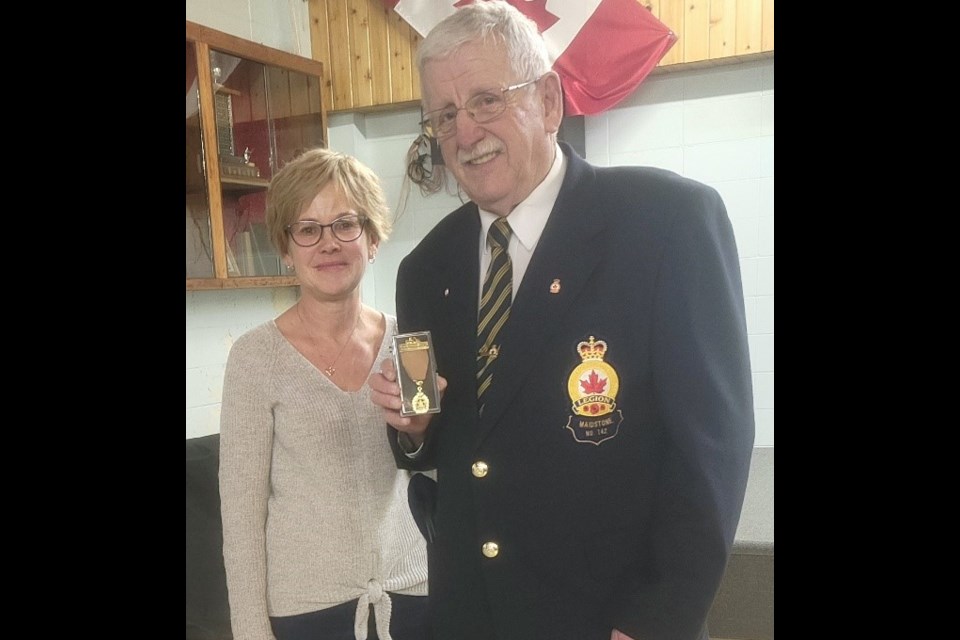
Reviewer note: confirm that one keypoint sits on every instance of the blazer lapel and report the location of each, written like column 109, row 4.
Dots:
column 460, row 272
column 536, row 311
column 460, row 277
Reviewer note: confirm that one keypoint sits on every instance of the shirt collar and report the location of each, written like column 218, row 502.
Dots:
column 528, row 218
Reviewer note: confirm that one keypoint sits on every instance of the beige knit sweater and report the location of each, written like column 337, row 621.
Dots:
column 314, row 508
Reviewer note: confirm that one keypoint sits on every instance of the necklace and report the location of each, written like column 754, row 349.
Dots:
column 332, row 368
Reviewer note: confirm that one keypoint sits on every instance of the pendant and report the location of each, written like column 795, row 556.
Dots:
column 330, row 371
column 420, row 402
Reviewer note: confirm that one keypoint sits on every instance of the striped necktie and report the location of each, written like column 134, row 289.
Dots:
column 494, row 304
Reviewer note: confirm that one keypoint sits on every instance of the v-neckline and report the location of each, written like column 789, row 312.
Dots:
column 319, row 371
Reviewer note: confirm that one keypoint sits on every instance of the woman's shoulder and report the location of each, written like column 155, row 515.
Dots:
column 391, row 322
column 263, row 337
column 387, row 321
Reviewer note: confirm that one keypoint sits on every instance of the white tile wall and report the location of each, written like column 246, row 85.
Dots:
column 632, row 129
column 717, row 119
column 749, row 276
column 713, row 162
column 714, row 125
column 214, row 320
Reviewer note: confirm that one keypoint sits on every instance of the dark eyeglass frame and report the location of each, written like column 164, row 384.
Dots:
column 360, row 219
column 471, row 106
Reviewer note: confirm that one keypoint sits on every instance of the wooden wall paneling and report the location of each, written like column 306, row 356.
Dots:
column 320, row 46
column 368, row 51
column 766, row 40
column 749, row 26
column 341, row 67
column 696, row 30
column 653, row 6
column 400, row 38
column 723, row 28
column 415, row 72
column 671, row 14
column 358, row 27
column 379, row 43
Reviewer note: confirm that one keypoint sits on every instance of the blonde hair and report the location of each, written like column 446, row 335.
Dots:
column 294, row 187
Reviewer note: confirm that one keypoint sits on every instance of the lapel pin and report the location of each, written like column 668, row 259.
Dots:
column 446, row 292
column 555, row 287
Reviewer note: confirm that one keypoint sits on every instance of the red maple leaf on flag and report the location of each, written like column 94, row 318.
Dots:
column 593, row 384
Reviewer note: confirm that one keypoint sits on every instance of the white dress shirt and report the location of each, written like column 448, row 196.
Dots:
column 527, row 221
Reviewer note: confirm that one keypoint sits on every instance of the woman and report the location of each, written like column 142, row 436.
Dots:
column 318, row 538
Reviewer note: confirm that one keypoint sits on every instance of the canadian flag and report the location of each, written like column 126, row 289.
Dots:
column 602, row 49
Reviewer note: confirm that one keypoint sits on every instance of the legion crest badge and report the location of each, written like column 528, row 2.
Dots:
column 592, row 387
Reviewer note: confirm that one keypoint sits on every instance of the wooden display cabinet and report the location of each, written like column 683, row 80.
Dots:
column 250, row 109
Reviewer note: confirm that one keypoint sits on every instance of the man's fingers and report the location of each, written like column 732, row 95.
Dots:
column 389, row 371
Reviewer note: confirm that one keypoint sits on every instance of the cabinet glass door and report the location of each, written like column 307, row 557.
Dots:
column 250, row 110
column 265, row 116
column 199, row 244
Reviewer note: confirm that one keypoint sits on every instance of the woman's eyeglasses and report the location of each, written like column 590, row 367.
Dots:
column 307, row 233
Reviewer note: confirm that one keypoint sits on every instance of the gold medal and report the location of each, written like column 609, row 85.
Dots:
column 415, row 359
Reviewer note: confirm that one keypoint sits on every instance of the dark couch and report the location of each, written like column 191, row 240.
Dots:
column 208, row 613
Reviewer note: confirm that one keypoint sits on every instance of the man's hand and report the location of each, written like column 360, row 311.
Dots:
column 385, row 392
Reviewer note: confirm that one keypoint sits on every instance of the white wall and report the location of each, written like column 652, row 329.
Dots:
column 281, row 24
column 713, row 125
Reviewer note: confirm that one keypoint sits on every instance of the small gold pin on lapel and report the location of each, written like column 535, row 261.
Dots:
column 555, row 287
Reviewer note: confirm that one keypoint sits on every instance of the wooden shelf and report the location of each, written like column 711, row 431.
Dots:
column 228, row 90
column 242, row 282
column 238, row 183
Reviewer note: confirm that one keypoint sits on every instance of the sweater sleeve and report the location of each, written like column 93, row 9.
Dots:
column 246, row 443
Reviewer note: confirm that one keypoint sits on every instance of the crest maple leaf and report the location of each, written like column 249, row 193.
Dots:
column 593, row 383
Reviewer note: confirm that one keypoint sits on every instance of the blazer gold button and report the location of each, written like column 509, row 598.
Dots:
column 479, row 468
column 491, row 549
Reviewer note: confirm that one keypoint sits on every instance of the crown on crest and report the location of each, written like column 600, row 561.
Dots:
column 592, row 350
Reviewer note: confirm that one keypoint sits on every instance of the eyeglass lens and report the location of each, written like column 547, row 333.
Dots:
column 482, row 107
column 307, row 233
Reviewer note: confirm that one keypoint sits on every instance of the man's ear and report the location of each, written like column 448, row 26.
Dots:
column 552, row 92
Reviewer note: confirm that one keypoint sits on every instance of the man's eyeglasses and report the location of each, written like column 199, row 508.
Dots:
column 482, row 107
column 307, row 233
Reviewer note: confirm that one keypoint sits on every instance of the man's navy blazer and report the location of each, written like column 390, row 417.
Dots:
column 616, row 439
